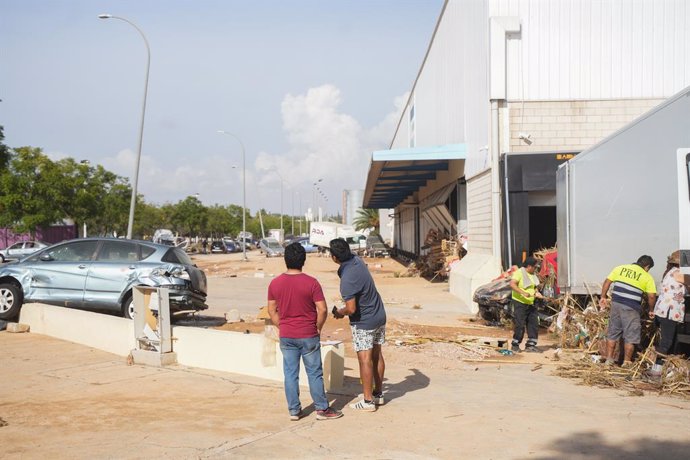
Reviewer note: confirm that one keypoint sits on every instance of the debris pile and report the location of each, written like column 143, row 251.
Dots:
column 442, row 252
column 674, row 379
column 457, row 348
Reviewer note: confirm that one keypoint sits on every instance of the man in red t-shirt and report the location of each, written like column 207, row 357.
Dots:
column 297, row 306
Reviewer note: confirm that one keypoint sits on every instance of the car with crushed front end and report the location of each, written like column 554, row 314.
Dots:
column 99, row 274
column 21, row 249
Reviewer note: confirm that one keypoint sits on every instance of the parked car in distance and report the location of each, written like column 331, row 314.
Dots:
column 231, row 245
column 99, row 274
column 271, row 247
column 21, row 249
column 218, row 247
column 308, row 247
column 376, row 247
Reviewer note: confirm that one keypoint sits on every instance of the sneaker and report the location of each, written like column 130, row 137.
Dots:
column 532, row 349
column 378, row 399
column 610, row 362
column 295, row 417
column 328, row 414
column 364, row 406
column 515, row 348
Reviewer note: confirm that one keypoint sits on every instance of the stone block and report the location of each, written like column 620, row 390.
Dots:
column 17, row 327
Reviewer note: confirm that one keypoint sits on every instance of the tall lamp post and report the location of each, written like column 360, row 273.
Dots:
column 132, row 203
column 244, row 194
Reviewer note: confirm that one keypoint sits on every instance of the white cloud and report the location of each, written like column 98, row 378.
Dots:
column 323, row 143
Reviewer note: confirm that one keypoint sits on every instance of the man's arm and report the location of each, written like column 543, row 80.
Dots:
column 349, row 309
column 651, row 301
column 321, row 314
column 273, row 312
column 604, row 290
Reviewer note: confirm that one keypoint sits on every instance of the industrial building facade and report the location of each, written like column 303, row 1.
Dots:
column 507, row 91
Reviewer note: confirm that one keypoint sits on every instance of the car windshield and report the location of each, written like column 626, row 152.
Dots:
column 274, row 245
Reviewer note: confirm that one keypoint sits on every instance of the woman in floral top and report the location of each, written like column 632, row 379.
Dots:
column 670, row 306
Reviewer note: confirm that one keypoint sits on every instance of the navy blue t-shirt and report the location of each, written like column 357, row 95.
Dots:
column 356, row 283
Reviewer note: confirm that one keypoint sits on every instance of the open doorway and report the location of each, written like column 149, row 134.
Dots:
column 542, row 227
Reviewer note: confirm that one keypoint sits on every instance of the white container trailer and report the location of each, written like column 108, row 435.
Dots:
column 321, row 234
column 626, row 196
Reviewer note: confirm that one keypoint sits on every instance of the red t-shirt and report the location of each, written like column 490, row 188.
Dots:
column 296, row 297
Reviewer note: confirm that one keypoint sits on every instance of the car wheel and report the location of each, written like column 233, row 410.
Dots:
column 128, row 307
column 2, row 259
column 10, row 301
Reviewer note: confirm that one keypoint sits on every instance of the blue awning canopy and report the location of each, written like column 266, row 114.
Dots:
column 394, row 175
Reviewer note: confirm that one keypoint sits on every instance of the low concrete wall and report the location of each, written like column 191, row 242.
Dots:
column 471, row 272
column 104, row 332
column 235, row 352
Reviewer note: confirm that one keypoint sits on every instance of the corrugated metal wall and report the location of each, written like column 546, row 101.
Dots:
column 479, row 214
column 578, row 49
column 451, row 92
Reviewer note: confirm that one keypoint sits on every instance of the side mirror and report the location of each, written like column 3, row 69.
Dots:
column 46, row 257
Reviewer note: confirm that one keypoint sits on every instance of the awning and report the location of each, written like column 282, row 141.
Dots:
column 394, row 175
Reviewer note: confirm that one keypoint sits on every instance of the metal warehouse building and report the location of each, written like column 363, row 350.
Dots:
column 507, row 91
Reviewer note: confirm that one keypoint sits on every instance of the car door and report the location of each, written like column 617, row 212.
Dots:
column 15, row 251
column 111, row 272
column 27, row 249
column 58, row 275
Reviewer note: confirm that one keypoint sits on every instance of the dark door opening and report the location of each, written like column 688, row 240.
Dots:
column 542, row 227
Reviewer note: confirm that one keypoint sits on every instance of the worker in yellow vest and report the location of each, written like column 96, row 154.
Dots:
column 630, row 282
column 525, row 286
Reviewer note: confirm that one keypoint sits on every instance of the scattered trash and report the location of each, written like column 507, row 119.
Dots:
column 416, row 307
column 506, row 352
column 537, row 367
column 3, row 423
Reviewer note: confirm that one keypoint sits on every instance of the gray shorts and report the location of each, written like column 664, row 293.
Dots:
column 624, row 321
column 364, row 339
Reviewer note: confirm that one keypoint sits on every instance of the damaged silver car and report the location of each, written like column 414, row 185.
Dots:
column 99, row 274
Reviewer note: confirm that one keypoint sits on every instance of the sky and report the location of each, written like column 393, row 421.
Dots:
column 310, row 87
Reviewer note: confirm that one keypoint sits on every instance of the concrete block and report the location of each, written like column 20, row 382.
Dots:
column 232, row 316
column 17, row 327
column 153, row 358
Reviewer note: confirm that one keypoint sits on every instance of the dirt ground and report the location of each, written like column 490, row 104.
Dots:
column 447, row 395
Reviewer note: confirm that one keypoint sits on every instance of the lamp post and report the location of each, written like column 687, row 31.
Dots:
column 130, row 222
column 244, row 194
column 314, row 202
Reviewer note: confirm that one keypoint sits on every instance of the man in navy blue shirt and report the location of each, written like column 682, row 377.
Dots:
column 367, row 316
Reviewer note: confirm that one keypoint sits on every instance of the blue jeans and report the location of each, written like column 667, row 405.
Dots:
column 310, row 352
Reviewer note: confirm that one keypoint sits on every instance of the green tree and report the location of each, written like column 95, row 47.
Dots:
column 31, row 191
column 190, row 217
column 367, row 218
column 4, row 151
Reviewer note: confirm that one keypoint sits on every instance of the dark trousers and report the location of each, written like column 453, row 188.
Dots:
column 669, row 330
column 525, row 314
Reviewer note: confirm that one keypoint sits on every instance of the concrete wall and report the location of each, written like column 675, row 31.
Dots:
column 234, row 352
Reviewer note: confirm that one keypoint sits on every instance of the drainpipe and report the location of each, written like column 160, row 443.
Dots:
column 499, row 26
column 495, row 184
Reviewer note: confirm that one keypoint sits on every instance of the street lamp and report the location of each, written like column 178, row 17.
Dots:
column 281, row 199
column 130, row 222
column 314, row 202
column 244, row 194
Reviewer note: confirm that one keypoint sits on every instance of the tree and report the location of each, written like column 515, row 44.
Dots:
column 31, row 191
column 4, row 151
column 367, row 218
column 190, row 217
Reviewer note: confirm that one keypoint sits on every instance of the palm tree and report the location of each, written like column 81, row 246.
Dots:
column 367, row 218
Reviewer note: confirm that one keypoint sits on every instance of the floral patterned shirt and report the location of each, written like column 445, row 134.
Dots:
column 671, row 301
